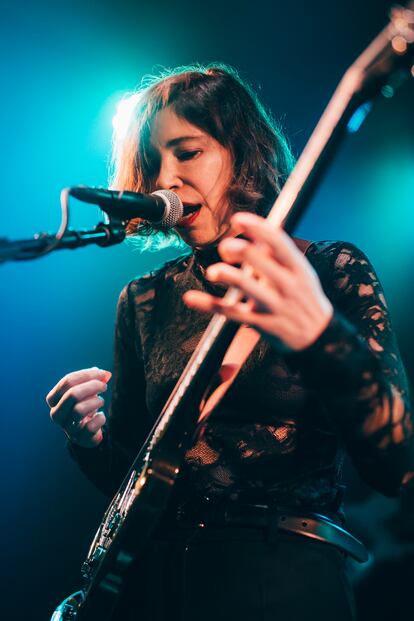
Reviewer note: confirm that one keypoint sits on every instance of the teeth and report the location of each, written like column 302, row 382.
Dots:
column 186, row 218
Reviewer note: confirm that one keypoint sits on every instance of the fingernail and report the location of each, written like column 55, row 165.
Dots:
column 106, row 375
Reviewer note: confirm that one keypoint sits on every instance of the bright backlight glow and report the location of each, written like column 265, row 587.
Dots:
column 123, row 116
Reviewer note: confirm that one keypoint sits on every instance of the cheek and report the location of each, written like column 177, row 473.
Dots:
column 215, row 177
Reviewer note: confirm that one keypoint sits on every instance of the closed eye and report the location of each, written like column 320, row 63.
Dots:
column 187, row 155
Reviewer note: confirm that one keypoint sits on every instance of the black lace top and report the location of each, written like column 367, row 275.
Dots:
column 281, row 429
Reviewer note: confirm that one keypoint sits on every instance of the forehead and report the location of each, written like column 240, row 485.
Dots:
column 168, row 128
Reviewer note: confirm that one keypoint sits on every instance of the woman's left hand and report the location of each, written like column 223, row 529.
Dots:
column 283, row 298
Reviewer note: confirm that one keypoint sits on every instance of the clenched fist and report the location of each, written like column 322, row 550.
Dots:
column 75, row 405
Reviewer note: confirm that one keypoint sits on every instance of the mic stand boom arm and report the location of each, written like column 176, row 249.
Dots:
column 104, row 234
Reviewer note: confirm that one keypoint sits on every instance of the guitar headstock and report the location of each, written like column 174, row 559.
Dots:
column 390, row 56
column 386, row 62
column 402, row 22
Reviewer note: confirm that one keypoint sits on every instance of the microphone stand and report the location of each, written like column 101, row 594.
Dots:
column 104, row 234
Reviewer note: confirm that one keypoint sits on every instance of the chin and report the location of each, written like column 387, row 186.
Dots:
column 197, row 239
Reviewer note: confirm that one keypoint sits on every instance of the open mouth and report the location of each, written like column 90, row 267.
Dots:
column 191, row 212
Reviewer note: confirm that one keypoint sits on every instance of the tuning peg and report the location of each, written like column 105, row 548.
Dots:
column 399, row 44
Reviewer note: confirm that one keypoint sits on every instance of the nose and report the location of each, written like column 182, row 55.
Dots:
column 168, row 176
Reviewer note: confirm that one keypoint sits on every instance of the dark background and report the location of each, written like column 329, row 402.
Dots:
column 64, row 69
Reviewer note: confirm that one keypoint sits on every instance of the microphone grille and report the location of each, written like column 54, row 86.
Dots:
column 174, row 208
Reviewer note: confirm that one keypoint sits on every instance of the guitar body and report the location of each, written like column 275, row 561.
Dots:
column 140, row 501
column 119, row 542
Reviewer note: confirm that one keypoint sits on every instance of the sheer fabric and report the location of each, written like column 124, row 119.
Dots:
column 281, row 430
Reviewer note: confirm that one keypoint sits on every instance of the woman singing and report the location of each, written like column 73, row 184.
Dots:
column 326, row 376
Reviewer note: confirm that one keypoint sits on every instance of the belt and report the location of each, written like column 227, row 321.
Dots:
column 306, row 523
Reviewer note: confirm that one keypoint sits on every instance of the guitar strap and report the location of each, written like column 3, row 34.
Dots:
column 240, row 349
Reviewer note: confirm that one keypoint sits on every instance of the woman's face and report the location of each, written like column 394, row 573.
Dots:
column 199, row 169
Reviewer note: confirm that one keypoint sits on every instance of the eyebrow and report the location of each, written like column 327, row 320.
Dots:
column 175, row 141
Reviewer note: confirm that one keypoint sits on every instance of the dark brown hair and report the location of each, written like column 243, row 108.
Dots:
column 215, row 99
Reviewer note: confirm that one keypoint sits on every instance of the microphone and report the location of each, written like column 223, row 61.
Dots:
column 162, row 207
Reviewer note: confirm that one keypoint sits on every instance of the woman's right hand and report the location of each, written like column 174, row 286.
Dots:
column 75, row 405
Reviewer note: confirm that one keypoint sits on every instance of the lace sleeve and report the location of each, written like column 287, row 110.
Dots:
column 356, row 369
column 128, row 421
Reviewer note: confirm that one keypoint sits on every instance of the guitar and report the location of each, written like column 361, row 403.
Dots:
column 145, row 491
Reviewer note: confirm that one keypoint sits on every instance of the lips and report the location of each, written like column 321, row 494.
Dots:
column 193, row 211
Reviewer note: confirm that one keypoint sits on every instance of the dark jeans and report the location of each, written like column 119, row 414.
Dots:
column 238, row 574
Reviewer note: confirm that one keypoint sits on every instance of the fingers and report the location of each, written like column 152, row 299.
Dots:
column 91, row 424
column 207, row 303
column 88, row 432
column 96, row 439
column 241, row 312
column 96, row 422
column 74, row 378
column 258, row 256
column 72, row 400
column 200, row 301
column 75, row 405
column 258, row 230
column 264, row 297
column 81, row 413
column 88, row 407
column 283, row 297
